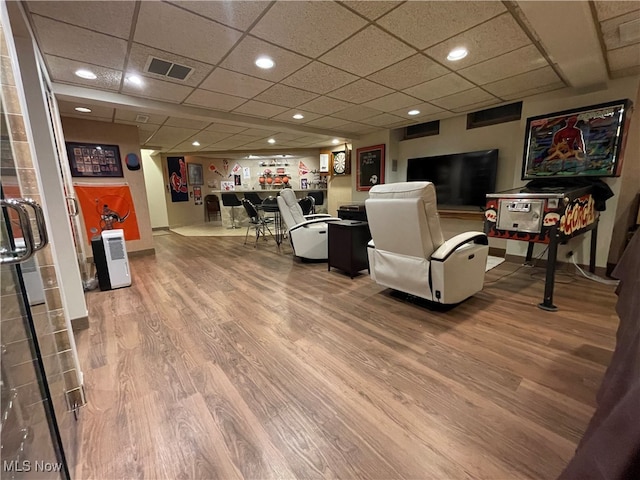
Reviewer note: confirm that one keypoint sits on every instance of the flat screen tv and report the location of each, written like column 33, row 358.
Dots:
column 461, row 179
column 583, row 142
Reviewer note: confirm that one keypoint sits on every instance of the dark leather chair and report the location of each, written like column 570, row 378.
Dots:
column 307, row 205
column 256, row 221
column 212, row 206
column 318, row 198
column 231, row 200
column 253, row 197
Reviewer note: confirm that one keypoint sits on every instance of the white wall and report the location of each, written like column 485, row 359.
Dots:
column 155, row 186
column 509, row 139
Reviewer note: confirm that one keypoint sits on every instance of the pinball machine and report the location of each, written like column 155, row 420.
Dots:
column 565, row 156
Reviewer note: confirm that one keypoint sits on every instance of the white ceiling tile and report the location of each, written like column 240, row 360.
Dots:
column 370, row 8
column 320, row 78
column 534, row 91
column 474, row 107
column 68, row 108
column 626, row 72
column 469, row 97
column 356, row 113
column 239, row 14
column 423, row 24
column 139, row 56
column 424, row 109
column 170, row 136
column 214, row 100
column 259, row 109
column 355, row 127
column 368, row 51
column 206, row 137
column 325, row 105
column 243, row 57
column 223, row 127
column 607, row 9
column 187, row 123
column 258, row 132
column 310, row 28
column 130, row 116
column 409, row 72
column 491, row 39
column 114, row 18
column 187, row 147
column 392, row 102
column 439, row 87
column 522, row 82
column 507, row 65
column 327, row 122
column 382, row 120
column 82, row 45
column 62, row 70
column 145, row 133
column 288, row 116
column 611, row 33
column 624, row 57
column 285, row 96
column 183, row 33
column 234, row 141
column 158, row 89
column 360, row 91
column 232, row 83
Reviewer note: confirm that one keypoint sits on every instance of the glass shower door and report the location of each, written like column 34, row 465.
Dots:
column 29, row 438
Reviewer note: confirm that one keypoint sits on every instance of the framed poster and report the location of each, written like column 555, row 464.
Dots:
column 583, row 142
column 370, row 167
column 195, row 174
column 94, row 160
column 324, row 162
column 178, row 179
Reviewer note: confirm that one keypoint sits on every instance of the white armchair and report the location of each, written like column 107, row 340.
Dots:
column 408, row 252
column 308, row 234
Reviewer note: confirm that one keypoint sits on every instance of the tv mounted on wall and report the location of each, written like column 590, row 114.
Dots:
column 461, row 179
column 584, row 142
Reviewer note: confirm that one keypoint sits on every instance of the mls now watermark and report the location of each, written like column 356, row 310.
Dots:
column 29, row 466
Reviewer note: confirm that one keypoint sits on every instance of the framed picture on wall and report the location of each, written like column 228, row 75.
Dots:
column 94, row 160
column 370, row 167
column 195, row 174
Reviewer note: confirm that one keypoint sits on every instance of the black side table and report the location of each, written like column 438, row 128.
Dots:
column 348, row 241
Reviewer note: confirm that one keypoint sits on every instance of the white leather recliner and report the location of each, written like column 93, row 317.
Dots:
column 408, row 252
column 308, row 234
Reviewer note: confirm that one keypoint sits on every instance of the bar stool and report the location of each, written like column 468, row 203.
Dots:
column 231, row 200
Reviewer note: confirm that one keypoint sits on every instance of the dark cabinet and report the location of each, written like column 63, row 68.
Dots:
column 348, row 241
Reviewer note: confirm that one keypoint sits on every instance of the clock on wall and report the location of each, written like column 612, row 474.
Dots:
column 341, row 163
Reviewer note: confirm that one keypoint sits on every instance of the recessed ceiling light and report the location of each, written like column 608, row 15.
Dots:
column 135, row 79
column 457, row 54
column 298, row 116
column 83, row 109
column 265, row 62
column 335, row 141
column 83, row 73
column 413, row 112
column 196, row 143
column 272, row 140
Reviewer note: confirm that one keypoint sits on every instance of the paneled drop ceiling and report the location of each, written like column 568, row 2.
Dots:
column 349, row 68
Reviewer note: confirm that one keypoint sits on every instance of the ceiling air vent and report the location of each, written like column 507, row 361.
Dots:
column 167, row 69
column 142, row 118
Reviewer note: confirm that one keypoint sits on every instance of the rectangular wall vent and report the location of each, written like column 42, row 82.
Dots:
column 422, row 130
column 495, row 115
column 165, row 68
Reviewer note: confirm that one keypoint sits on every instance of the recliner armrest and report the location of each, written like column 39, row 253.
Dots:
column 317, row 215
column 316, row 220
column 447, row 248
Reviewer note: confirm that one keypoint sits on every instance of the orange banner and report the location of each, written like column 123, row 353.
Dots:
column 107, row 208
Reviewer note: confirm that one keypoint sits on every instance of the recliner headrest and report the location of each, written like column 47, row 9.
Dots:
column 403, row 190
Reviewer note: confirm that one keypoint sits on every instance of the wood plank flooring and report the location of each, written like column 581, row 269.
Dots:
column 223, row 361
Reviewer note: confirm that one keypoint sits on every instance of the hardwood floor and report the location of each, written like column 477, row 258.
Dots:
column 225, row 361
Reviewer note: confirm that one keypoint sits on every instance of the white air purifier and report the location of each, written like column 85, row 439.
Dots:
column 112, row 262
